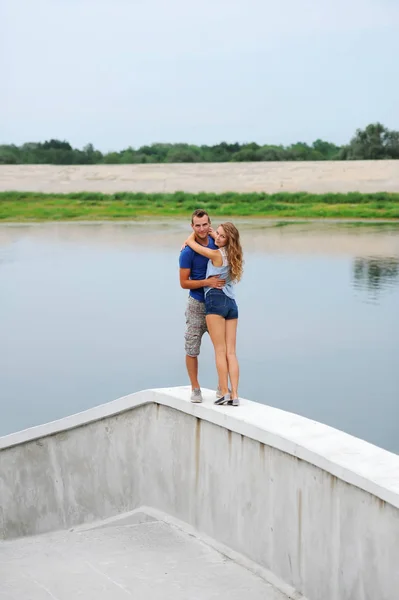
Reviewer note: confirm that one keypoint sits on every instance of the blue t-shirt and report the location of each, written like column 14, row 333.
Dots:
column 197, row 265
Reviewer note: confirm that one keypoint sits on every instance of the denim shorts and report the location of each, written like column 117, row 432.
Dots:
column 217, row 303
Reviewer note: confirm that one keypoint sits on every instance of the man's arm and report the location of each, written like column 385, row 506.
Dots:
column 193, row 284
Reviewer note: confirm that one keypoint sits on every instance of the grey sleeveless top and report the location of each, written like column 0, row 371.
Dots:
column 224, row 272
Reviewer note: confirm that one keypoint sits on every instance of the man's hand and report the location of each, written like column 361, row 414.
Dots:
column 194, row 284
column 215, row 282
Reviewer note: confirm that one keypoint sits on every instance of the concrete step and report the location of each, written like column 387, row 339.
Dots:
column 138, row 557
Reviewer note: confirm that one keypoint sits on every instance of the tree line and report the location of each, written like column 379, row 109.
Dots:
column 375, row 142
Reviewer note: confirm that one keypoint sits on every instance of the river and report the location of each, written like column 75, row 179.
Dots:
column 91, row 312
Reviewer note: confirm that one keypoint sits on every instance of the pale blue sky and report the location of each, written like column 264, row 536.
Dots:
column 130, row 72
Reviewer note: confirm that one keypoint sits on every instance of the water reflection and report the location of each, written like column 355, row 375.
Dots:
column 375, row 274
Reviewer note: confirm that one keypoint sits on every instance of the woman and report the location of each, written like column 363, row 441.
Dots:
column 221, row 308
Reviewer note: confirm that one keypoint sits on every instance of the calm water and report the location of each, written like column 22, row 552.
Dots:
column 93, row 312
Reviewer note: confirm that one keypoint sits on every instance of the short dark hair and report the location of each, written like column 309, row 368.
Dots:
column 200, row 212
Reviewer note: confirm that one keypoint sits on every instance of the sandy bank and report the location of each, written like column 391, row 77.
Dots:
column 316, row 177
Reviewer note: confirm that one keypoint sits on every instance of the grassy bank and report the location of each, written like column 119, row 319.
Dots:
column 29, row 206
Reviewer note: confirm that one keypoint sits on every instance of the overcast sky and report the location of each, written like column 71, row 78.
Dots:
column 121, row 73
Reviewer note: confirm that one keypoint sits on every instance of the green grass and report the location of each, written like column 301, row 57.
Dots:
column 30, row 206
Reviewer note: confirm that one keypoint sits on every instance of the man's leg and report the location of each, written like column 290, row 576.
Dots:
column 195, row 329
column 192, row 370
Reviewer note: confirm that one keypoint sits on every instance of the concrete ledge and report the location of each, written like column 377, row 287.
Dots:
column 350, row 459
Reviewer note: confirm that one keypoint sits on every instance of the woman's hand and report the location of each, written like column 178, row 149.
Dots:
column 191, row 238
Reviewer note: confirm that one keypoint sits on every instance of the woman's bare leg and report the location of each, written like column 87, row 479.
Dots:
column 217, row 331
column 232, row 362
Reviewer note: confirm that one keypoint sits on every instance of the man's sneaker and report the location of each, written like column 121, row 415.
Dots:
column 223, row 400
column 219, row 393
column 196, row 396
column 234, row 402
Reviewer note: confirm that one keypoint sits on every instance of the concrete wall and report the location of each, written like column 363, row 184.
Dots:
column 316, row 177
column 316, row 507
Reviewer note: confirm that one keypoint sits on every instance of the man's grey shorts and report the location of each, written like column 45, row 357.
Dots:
column 195, row 326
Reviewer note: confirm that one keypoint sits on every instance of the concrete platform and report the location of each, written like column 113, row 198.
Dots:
column 139, row 557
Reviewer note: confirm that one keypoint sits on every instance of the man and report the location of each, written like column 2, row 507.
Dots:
column 193, row 277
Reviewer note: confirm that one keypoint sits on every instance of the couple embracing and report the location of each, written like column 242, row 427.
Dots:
column 210, row 264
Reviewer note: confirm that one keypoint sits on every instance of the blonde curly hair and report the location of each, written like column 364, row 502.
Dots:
column 233, row 250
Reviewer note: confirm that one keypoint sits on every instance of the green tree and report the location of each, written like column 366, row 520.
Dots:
column 112, row 158
column 183, row 153
column 328, row 150
column 9, row 155
column 372, row 143
column 56, row 145
column 391, row 141
column 89, row 155
column 247, row 153
column 302, row 151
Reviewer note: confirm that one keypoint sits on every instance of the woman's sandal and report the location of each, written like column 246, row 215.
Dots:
column 227, row 400
column 223, row 400
column 234, row 402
